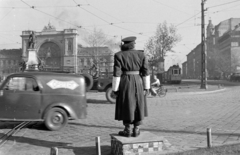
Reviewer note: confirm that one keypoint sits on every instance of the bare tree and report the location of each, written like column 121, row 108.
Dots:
column 219, row 63
column 98, row 39
column 162, row 42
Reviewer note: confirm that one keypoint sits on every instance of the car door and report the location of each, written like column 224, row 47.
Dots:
column 4, row 107
column 22, row 98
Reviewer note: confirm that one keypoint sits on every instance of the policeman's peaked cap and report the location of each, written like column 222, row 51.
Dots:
column 129, row 39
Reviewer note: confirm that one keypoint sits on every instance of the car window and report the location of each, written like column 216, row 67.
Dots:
column 21, row 84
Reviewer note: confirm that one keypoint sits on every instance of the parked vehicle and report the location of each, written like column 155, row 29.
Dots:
column 235, row 77
column 173, row 75
column 53, row 98
column 104, row 84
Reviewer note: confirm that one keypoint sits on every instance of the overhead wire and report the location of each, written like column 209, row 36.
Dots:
column 170, row 6
column 6, row 15
column 108, row 23
column 16, row 7
column 27, row 4
column 226, row 9
column 207, row 7
column 188, row 19
column 79, row 5
column 78, row 26
column 224, row 4
column 105, row 13
column 33, row 7
column 105, row 20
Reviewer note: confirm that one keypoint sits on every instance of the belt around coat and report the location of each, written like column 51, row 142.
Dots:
column 131, row 72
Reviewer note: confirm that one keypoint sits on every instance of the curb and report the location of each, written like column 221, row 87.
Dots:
column 204, row 92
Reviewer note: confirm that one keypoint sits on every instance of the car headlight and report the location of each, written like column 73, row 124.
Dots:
column 100, row 85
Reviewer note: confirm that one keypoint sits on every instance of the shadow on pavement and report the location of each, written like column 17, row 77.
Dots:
column 33, row 125
column 36, row 142
column 187, row 131
column 97, row 101
column 90, row 150
column 8, row 125
column 219, row 150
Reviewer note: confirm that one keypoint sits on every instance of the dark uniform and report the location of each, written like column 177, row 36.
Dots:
column 130, row 78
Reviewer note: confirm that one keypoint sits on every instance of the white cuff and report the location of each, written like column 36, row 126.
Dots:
column 146, row 82
column 115, row 83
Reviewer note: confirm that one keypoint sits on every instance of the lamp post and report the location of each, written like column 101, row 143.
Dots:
column 203, row 52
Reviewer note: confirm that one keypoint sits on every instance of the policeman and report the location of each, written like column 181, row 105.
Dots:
column 131, row 83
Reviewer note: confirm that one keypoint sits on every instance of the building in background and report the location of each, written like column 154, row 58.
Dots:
column 99, row 57
column 184, row 69
column 58, row 50
column 192, row 67
column 9, row 61
column 223, row 51
column 55, row 49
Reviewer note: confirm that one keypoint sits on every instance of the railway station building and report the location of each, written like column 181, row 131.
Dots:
column 57, row 50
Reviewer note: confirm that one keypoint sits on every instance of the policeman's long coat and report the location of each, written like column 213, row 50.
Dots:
column 131, row 91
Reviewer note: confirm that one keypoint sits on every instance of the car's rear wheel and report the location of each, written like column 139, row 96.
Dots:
column 89, row 81
column 55, row 119
column 110, row 96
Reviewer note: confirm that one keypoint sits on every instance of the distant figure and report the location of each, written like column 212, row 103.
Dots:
column 155, row 85
column 31, row 40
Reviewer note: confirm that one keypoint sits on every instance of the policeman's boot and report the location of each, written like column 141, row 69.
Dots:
column 126, row 132
column 136, row 131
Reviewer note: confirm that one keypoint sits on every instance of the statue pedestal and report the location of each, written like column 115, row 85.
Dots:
column 146, row 143
column 32, row 61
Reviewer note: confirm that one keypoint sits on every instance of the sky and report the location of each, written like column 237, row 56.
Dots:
column 116, row 18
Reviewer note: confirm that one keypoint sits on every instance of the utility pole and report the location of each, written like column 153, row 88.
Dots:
column 204, row 62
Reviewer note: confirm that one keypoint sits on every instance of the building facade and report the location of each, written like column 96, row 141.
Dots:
column 55, row 49
column 223, row 51
column 58, row 50
column 192, row 67
column 184, row 69
column 9, row 61
column 99, row 57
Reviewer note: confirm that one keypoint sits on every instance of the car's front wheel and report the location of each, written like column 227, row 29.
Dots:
column 110, row 96
column 55, row 119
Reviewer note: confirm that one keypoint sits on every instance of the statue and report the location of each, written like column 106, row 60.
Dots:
column 31, row 40
column 49, row 27
column 31, row 61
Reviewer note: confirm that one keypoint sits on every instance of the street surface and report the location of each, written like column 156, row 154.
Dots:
column 181, row 118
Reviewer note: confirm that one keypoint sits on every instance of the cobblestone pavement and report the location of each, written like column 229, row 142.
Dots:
column 181, row 118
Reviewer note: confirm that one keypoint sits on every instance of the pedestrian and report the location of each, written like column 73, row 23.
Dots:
column 131, row 83
column 155, row 85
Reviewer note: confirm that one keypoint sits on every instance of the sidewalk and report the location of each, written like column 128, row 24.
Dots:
column 194, row 89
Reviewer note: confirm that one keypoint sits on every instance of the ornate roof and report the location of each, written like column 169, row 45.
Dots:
column 49, row 27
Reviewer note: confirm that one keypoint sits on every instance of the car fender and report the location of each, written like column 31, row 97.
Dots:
column 70, row 112
column 109, row 85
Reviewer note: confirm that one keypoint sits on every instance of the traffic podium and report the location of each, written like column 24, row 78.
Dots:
column 146, row 143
